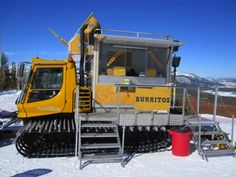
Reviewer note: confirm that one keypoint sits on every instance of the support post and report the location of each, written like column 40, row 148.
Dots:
column 198, row 101
column 118, row 103
column 123, row 143
column 215, row 104
column 200, row 121
column 232, row 132
column 174, row 88
column 76, row 118
column 199, row 134
column 183, row 103
column 79, row 128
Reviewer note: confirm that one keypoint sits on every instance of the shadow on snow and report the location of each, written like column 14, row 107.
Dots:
column 34, row 172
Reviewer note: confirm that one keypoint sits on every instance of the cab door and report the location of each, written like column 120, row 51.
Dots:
column 46, row 91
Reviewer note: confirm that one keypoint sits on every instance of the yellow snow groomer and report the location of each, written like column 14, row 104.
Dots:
column 122, row 76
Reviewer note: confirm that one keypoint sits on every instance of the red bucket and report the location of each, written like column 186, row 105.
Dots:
column 180, row 139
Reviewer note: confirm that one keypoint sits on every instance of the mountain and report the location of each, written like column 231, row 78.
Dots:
column 230, row 82
column 192, row 80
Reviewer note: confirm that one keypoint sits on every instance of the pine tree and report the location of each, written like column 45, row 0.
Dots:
column 2, row 73
column 7, row 78
column 13, row 75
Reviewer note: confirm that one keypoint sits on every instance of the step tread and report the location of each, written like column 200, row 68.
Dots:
column 213, row 142
column 89, row 125
column 100, row 146
column 102, row 157
column 99, row 135
column 219, row 152
column 195, row 122
column 209, row 133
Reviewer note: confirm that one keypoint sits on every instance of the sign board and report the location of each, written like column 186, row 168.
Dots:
column 153, row 99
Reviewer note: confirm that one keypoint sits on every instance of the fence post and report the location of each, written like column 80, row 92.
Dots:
column 232, row 132
column 123, row 142
column 183, row 104
column 198, row 101
column 200, row 121
column 215, row 104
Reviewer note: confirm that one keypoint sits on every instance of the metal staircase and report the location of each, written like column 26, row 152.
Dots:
column 99, row 142
column 209, row 139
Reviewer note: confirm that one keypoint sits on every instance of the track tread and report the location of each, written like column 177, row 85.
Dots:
column 55, row 138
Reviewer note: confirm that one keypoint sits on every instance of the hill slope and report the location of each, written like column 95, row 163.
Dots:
column 192, row 80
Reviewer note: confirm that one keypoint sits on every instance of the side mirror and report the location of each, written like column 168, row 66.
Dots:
column 176, row 61
column 175, row 48
column 20, row 70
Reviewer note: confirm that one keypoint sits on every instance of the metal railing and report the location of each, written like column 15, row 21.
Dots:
column 77, row 120
column 119, row 86
column 186, row 98
column 77, row 123
column 135, row 34
column 214, row 117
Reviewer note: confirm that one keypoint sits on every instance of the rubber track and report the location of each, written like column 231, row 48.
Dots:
column 56, row 138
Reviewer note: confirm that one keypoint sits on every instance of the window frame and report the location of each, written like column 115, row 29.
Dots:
column 44, row 89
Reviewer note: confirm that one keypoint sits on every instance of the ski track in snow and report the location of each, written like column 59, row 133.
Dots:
column 160, row 164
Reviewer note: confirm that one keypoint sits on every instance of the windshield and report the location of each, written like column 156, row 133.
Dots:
column 46, row 84
column 48, row 78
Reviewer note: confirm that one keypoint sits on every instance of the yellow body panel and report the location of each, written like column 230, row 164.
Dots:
column 74, row 44
column 106, row 94
column 46, row 107
column 160, row 101
column 149, row 99
column 21, row 111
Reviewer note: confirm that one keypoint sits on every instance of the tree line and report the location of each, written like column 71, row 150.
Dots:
column 7, row 73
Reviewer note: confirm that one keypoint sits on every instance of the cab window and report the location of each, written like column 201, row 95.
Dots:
column 46, row 83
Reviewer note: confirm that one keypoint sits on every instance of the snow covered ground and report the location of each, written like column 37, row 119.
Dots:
column 7, row 100
column 161, row 164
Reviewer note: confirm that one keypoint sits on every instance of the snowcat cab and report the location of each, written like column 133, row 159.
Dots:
column 51, row 84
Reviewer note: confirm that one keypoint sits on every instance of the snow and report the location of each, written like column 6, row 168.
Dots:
column 184, row 80
column 186, row 74
column 229, row 84
column 160, row 164
column 221, row 93
column 7, row 100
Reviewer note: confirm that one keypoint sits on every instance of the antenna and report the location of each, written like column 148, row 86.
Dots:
column 63, row 41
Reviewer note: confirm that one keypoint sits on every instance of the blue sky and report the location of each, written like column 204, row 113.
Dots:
column 208, row 28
